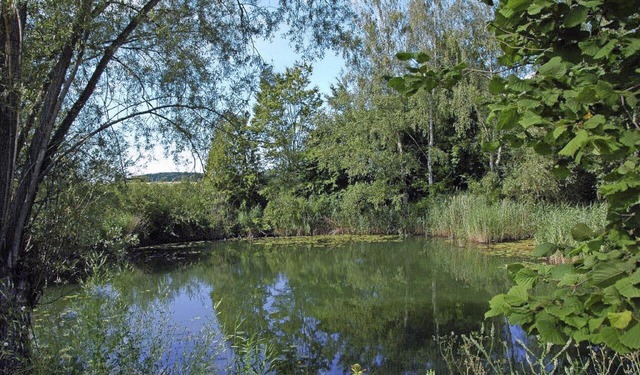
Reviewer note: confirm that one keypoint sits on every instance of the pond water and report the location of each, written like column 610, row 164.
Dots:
column 322, row 308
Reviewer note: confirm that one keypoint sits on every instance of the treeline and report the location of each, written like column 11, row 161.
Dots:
column 365, row 159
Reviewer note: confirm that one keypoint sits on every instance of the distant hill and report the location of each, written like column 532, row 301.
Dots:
column 169, row 177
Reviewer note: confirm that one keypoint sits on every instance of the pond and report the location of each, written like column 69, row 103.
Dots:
column 315, row 308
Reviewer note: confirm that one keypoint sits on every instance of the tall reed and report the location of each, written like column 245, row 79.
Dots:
column 554, row 222
column 98, row 332
column 478, row 219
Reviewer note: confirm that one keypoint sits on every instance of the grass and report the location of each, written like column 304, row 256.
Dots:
column 98, row 333
column 474, row 218
column 484, row 353
column 554, row 222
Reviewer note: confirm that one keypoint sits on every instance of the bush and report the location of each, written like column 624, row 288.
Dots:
column 532, row 180
column 369, row 208
column 184, row 211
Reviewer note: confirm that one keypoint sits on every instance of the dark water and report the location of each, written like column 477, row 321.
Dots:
column 324, row 308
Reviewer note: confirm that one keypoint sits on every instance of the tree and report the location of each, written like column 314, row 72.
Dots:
column 74, row 72
column 430, row 139
column 233, row 166
column 580, row 103
column 283, row 116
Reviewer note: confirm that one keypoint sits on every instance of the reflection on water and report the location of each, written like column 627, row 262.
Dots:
column 375, row 304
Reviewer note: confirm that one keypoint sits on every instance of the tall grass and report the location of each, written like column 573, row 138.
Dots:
column 484, row 352
column 99, row 333
column 476, row 218
column 554, row 222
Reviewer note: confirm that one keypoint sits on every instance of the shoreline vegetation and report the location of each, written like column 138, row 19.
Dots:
column 143, row 214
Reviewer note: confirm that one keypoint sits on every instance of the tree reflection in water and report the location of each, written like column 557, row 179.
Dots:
column 326, row 308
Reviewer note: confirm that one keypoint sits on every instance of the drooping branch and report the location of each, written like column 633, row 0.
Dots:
column 109, row 124
column 78, row 105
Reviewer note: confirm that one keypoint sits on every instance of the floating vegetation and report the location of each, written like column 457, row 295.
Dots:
column 518, row 249
column 325, row 240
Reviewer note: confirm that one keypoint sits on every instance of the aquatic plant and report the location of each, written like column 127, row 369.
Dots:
column 484, row 352
column 99, row 333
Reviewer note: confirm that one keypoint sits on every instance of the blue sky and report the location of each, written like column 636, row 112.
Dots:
column 279, row 54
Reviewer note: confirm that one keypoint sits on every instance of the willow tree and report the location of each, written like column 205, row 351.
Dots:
column 81, row 72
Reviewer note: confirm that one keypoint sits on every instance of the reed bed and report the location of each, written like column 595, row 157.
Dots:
column 478, row 219
column 555, row 222
column 475, row 218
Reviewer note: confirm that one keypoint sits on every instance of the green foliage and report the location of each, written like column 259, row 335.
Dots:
column 554, row 223
column 254, row 355
column 287, row 214
column 484, row 353
column 168, row 177
column 586, row 90
column 582, row 105
column 532, row 180
column 100, row 333
column 183, row 211
column 233, row 165
column 283, row 118
column 80, row 221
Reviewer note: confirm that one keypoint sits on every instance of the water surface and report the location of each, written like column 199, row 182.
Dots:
column 324, row 307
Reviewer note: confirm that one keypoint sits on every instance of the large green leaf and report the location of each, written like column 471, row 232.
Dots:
column 544, row 249
column 627, row 288
column 582, row 232
column 530, row 119
column 604, row 273
column 631, row 338
column 526, row 277
column 606, row 50
column 632, row 48
column 490, row 146
column 554, row 68
column 517, row 295
column 611, row 337
column 398, row 84
column 496, row 85
column 581, row 138
column 594, row 122
column 630, row 138
column 549, row 331
column 620, row 320
column 404, row 56
column 576, row 16
column 498, row 306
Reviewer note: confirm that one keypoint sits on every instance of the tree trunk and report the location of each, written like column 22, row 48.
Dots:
column 20, row 180
column 429, row 149
column 15, row 327
column 15, row 312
